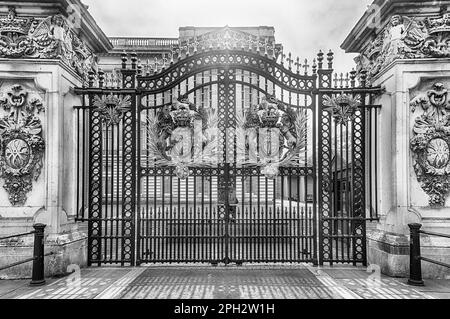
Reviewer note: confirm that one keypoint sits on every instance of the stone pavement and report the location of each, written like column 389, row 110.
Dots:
column 204, row 282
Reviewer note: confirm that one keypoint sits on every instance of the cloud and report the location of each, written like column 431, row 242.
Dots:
column 302, row 26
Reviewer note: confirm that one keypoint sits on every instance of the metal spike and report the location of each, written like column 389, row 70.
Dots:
column 336, row 80
column 290, row 61
column 352, row 78
column 298, row 65
column 306, row 66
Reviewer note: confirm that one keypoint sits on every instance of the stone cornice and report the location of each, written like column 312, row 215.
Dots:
column 361, row 34
column 90, row 32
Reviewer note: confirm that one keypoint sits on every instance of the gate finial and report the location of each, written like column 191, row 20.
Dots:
column 320, row 59
column 330, row 59
column 353, row 78
column 124, row 60
column 363, row 78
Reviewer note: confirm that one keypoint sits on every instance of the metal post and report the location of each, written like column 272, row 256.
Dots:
column 38, row 262
column 415, row 268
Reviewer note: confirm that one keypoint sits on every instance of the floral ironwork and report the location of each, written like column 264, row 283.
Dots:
column 22, row 145
column 274, row 120
column 112, row 108
column 343, row 107
column 431, row 144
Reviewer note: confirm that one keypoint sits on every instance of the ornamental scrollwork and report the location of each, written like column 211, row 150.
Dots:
column 48, row 38
column 278, row 131
column 342, row 107
column 431, row 143
column 111, row 108
column 186, row 136
column 21, row 143
column 407, row 38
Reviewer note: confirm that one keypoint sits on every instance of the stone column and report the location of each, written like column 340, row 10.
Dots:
column 407, row 52
column 38, row 144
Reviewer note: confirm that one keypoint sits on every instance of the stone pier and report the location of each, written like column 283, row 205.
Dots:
column 405, row 47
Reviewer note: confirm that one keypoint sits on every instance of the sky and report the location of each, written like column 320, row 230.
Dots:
column 302, row 26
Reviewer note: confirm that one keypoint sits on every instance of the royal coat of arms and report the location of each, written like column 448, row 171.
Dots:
column 186, row 136
column 21, row 143
column 275, row 134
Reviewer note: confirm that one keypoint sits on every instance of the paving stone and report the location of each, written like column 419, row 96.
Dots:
column 205, row 282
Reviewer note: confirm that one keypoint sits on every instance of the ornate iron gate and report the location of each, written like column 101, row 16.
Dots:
column 225, row 156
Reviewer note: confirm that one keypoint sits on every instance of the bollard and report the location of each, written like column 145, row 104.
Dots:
column 38, row 262
column 415, row 266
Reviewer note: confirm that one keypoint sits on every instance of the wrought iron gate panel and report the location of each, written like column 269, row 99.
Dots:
column 343, row 166
column 244, row 221
column 226, row 156
column 95, row 186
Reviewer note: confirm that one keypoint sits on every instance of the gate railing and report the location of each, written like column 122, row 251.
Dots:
column 344, row 174
column 38, row 278
column 415, row 268
column 347, row 157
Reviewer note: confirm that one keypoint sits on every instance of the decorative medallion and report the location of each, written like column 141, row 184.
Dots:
column 48, row 38
column 21, row 144
column 282, row 136
column 431, row 144
column 343, row 107
column 111, row 108
column 407, row 38
column 186, row 137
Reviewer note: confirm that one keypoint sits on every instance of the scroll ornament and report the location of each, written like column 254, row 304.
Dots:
column 21, row 143
column 431, row 143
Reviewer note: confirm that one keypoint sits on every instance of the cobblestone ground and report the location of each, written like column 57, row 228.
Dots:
column 248, row 282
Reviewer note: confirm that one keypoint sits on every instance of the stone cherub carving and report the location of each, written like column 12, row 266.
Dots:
column 57, row 30
column 402, row 38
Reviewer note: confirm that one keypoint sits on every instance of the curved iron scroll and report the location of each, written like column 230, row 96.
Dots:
column 248, row 61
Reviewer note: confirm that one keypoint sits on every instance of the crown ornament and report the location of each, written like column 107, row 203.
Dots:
column 11, row 24
column 437, row 25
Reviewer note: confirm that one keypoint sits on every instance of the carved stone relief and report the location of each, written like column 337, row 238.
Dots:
column 407, row 38
column 431, row 143
column 21, row 143
column 44, row 38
